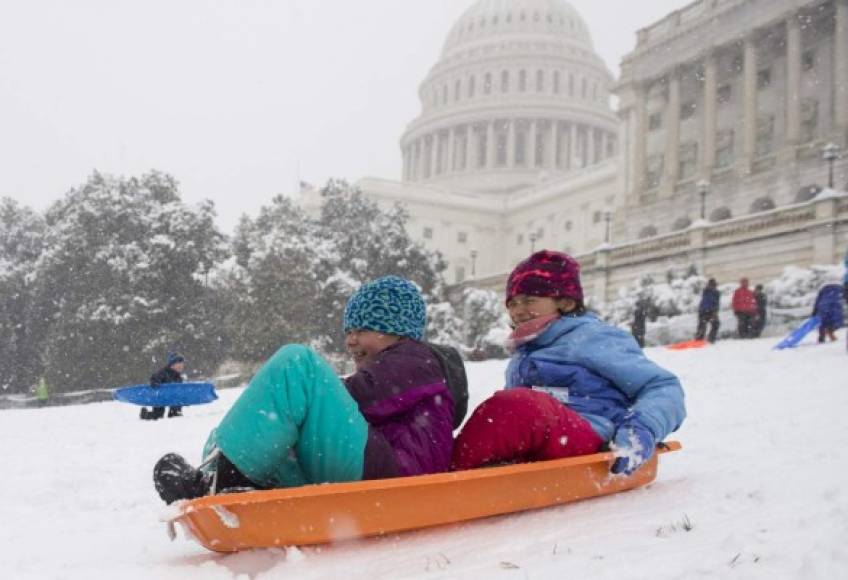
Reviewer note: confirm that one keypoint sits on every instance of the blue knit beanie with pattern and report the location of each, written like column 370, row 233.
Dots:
column 390, row 305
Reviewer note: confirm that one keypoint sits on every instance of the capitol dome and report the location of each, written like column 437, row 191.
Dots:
column 518, row 95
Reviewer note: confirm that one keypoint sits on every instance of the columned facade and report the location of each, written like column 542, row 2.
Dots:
column 749, row 114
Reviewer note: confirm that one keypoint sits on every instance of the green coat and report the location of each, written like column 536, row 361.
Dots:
column 42, row 393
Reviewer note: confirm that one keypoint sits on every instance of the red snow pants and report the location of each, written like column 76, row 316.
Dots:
column 521, row 425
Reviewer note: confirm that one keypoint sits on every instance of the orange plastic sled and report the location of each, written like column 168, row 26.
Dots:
column 320, row 514
column 687, row 345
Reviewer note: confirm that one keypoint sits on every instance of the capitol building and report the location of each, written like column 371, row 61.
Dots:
column 731, row 119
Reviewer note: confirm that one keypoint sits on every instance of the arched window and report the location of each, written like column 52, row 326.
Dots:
column 487, row 84
column 762, row 204
column 522, row 81
column 681, row 223
column 540, row 81
column 720, row 214
column 556, row 82
column 583, row 87
column 445, row 94
column 807, row 193
column 505, row 81
column 471, row 86
column 647, row 232
column 570, row 84
column 457, row 90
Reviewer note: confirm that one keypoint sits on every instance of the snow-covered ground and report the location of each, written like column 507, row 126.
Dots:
column 759, row 491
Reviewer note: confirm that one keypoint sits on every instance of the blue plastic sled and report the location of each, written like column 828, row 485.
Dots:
column 167, row 395
column 797, row 335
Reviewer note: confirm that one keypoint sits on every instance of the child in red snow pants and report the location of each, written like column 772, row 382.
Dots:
column 520, row 425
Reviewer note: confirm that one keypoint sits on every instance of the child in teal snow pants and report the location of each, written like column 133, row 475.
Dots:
column 295, row 424
column 298, row 423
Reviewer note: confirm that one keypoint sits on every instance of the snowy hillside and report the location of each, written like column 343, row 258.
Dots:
column 759, row 491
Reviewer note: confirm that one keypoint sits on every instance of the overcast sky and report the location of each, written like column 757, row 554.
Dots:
column 235, row 98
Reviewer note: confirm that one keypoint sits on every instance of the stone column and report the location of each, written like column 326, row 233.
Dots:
column 530, row 155
column 708, row 137
column 840, row 77
column 572, row 149
column 553, row 153
column 421, row 145
column 434, row 158
column 590, row 146
column 510, row 144
column 469, row 147
column 640, row 130
column 451, row 165
column 749, row 143
column 491, row 146
column 672, row 132
column 793, row 83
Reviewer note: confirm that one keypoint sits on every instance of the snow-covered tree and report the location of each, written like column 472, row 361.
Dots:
column 123, row 280
column 21, row 236
column 368, row 242
column 275, row 283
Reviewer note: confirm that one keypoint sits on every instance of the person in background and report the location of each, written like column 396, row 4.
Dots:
column 829, row 309
column 762, row 310
column 708, row 312
column 172, row 372
column 745, row 308
column 42, row 393
column 640, row 316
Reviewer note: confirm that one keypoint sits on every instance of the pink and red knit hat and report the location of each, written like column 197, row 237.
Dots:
column 546, row 273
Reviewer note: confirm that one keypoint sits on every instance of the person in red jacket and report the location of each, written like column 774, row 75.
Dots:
column 745, row 308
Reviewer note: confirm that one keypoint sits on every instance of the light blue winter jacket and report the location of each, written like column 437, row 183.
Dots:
column 600, row 372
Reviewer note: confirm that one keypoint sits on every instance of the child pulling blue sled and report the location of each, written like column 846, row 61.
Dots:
column 167, row 395
column 797, row 335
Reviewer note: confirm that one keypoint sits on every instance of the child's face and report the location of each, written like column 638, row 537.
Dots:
column 523, row 308
column 364, row 345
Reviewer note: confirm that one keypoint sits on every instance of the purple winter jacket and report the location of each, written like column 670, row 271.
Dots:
column 404, row 397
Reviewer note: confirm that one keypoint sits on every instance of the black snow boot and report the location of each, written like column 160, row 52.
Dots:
column 175, row 479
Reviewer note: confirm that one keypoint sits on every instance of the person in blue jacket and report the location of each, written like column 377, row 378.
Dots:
column 829, row 309
column 574, row 384
column 708, row 312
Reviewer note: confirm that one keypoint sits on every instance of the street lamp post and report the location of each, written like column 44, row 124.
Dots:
column 830, row 153
column 703, row 189
column 533, row 237
column 473, row 263
column 608, row 218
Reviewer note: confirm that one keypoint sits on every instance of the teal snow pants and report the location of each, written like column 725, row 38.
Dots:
column 294, row 424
